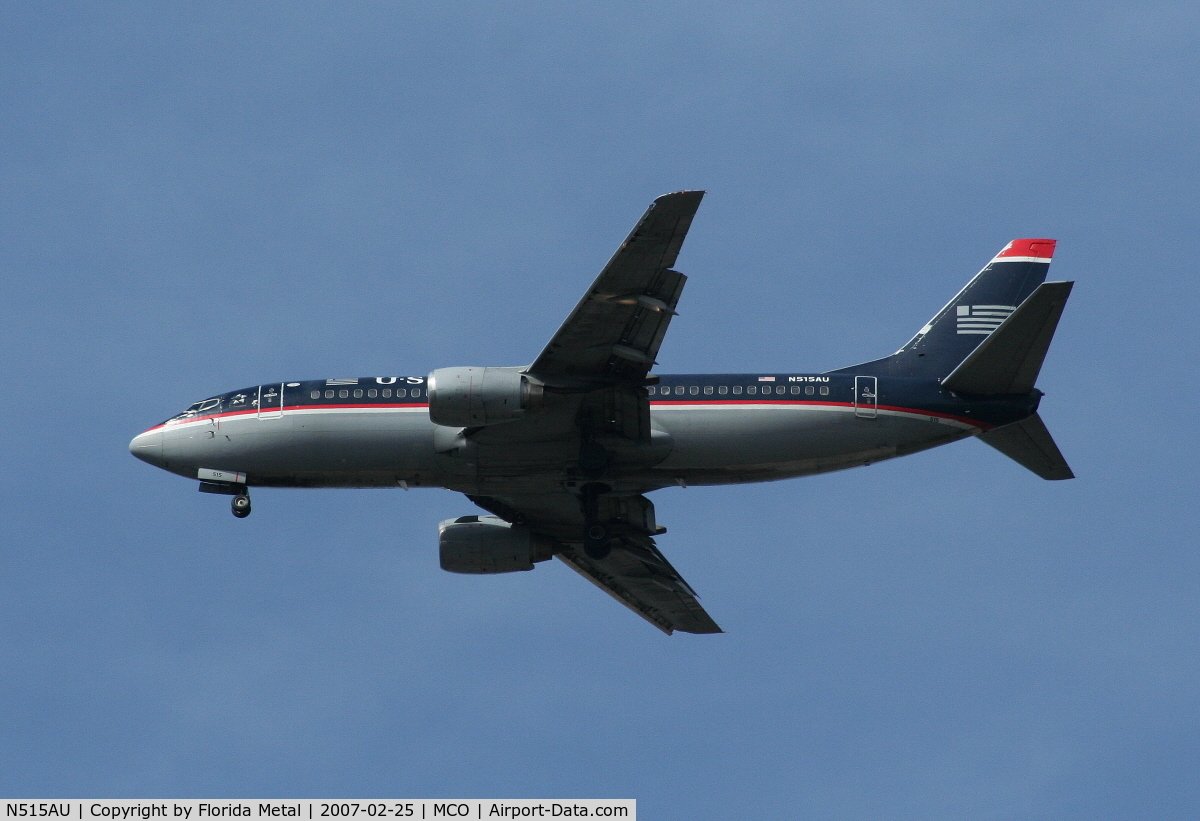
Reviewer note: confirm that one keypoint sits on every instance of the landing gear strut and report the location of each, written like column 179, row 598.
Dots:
column 597, row 536
column 240, row 505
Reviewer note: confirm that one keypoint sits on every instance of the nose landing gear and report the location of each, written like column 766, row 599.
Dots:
column 240, row 505
column 227, row 483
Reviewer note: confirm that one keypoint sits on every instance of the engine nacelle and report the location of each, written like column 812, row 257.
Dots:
column 488, row 544
column 469, row 397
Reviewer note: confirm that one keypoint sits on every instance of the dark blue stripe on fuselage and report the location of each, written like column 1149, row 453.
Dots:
column 915, row 394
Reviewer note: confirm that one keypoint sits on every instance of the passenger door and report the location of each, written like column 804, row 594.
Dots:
column 270, row 401
column 865, row 397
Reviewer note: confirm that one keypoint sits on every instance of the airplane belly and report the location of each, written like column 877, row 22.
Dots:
column 747, row 444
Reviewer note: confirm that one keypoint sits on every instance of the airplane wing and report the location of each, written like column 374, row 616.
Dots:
column 614, row 333
column 642, row 579
column 634, row 572
column 595, row 366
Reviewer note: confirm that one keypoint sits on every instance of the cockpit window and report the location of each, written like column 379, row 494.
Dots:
column 197, row 409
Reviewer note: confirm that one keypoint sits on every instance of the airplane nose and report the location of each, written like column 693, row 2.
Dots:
column 148, row 447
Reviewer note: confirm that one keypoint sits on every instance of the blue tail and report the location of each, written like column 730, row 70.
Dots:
column 968, row 319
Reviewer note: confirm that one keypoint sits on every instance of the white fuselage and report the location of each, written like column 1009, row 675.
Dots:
column 706, row 440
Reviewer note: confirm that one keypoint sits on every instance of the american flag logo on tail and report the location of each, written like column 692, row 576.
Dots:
column 982, row 319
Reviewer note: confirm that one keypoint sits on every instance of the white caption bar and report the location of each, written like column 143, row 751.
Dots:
column 198, row 809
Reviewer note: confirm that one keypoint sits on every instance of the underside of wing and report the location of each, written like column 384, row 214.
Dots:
column 614, row 333
column 640, row 577
column 632, row 570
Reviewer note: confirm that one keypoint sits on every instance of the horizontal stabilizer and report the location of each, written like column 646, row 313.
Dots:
column 1030, row 445
column 1009, row 359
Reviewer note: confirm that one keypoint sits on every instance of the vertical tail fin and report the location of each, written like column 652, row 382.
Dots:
column 968, row 319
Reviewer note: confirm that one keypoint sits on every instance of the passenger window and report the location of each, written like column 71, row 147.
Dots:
column 809, row 389
column 780, row 388
column 401, row 392
column 724, row 389
column 693, row 390
column 315, row 394
column 737, row 388
column 358, row 394
column 343, row 393
column 752, row 389
column 328, row 394
column 679, row 390
column 824, row 390
column 708, row 390
column 416, row 391
column 795, row 389
column 371, row 394
column 387, row 393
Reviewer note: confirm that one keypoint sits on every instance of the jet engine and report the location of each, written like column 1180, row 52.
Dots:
column 469, row 397
column 488, row 544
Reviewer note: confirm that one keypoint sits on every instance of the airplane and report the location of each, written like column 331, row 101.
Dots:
column 562, row 453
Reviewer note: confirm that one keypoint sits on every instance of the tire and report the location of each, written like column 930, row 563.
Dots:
column 241, row 506
column 597, row 541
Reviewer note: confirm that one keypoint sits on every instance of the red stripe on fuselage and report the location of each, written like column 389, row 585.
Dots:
column 273, row 412
column 356, row 406
column 742, row 402
column 731, row 403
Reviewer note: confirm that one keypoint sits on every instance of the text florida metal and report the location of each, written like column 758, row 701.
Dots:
column 561, row 453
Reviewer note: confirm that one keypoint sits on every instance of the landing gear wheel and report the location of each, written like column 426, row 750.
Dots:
column 241, row 505
column 597, row 541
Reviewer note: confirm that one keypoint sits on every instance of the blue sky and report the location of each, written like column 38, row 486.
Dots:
column 201, row 197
